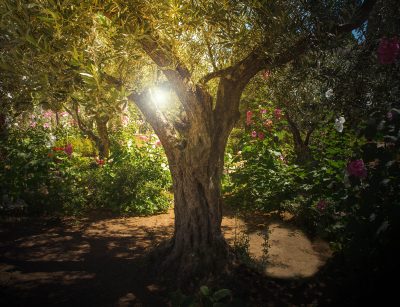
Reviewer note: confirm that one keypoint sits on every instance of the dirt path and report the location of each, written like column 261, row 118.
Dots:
column 97, row 262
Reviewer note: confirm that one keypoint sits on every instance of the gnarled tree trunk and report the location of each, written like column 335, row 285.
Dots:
column 198, row 244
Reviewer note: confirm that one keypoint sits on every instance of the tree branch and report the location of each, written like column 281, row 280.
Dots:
column 215, row 74
column 210, row 54
column 175, row 71
column 294, row 129
column 157, row 120
column 358, row 19
column 308, row 135
column 82, row 126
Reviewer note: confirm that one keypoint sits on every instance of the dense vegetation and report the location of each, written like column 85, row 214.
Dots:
column 84, row 127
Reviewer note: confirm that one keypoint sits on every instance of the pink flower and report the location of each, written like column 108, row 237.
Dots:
column 33, row 124
column 254, row 134
column 266, row 74
column 157, row 143
column 125, row 121
column 278, row 113
column 263, row 111
column 388, row 50
column 48, row 114
column 68, row 149
column 46, row 125
column 100, row 162
column 357, row 168
column 321, row 206
column 142, row 137
column 261, row 135
column 64, row 114
column 249, row 116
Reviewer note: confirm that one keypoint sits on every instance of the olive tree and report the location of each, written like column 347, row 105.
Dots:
column 208, row 51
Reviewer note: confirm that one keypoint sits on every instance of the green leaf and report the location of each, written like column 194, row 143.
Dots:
column 204, row 290
column 221, row 294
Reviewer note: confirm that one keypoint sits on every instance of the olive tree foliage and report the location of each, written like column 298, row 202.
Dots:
column 61, row 55
column 372, row 86
column 205, row 52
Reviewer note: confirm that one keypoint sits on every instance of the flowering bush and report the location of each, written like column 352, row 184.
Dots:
column 357, row 168
column 55, row 171
column 388, row 50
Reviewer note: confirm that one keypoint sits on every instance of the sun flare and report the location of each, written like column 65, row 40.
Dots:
column 160, row 97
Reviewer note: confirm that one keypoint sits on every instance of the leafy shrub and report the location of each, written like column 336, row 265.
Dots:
column 136, row 181
column 41, row 175
column 42, row 179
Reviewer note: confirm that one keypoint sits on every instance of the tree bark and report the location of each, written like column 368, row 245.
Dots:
column 198, row 245
column 301, row 148
column 103, row 141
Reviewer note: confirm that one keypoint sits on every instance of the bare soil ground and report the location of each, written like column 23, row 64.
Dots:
column 98, row 261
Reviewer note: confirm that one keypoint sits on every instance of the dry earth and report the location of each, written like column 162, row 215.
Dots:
column 94, row 262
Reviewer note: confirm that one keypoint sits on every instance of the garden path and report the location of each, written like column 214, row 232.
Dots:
column 68, row 262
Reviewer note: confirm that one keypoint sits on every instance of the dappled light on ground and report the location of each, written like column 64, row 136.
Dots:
column 291, row 253
column 84, row 257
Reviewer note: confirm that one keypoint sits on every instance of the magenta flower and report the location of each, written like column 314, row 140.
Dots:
column 254, row 134
column 249, row 116
column 357, row 168
column 389, row 115
column 68, row 149
column 388, row 50
column 263, row 111
column 321, row 206
column 261, row 135
column 278, row 113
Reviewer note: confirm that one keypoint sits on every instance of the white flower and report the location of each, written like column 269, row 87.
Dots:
column 369, row 99
column 329, row 93
column 372, row 217
column 383, row 227
column 339, row 123
column 129, row 144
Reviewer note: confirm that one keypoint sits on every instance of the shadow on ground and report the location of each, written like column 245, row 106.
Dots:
column 83, row 264
column 101, row 261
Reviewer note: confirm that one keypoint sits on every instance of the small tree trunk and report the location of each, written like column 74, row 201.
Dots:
column 303, row 153
column 103, row 142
